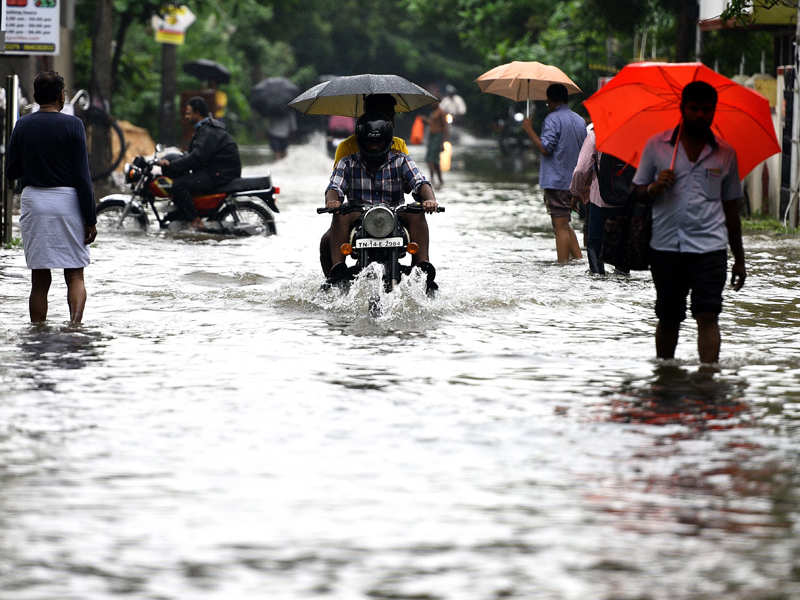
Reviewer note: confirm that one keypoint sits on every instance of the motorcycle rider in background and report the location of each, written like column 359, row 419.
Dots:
column 211, row 162
column 377, row 174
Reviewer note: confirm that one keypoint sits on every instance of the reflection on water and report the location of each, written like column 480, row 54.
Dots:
column 703, row 476
column 221, row 428
column 699, row 399
column 45, row 350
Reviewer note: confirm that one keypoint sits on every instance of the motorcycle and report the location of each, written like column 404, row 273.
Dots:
column 242, row 207
column 378, row 236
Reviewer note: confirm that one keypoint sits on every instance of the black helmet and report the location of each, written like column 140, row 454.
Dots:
column 374, row 135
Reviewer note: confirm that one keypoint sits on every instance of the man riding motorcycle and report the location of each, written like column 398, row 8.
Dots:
column 377, row 174
column 382, row 104
column 211, row 162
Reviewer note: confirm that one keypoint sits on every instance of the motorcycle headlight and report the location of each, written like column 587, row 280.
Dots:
column 132, row 173
column 378, row 222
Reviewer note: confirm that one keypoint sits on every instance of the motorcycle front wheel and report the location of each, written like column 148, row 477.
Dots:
column 248, row 216
column 109, row 215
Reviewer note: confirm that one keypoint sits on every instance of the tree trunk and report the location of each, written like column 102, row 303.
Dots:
column 688, row 13
column 169, row 89
column 125, row 21
column 98, row 137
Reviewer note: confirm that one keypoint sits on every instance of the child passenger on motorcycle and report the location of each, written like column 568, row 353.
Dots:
column 377, row 174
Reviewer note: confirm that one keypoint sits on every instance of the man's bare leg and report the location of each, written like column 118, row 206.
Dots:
column 566, row 242
column 76, row 294
column 667, row 338
column 418, row 231
column 325, row 260
column 37, row 302
column 436, row 171
column 708, row 337
column 574, row 246
column 339, row 234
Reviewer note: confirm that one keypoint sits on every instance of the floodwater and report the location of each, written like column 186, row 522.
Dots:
column 219, row 429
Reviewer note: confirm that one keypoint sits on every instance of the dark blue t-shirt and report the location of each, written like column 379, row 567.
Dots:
column 48, row 149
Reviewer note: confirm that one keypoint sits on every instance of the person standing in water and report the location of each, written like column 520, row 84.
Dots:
column 692, row 180
column 47, row 151
column 437, row 134
column 563, row 133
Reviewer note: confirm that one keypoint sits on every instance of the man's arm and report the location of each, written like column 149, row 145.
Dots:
column 647, row 189
column 528, row 127
column 734, row 224
column 414, row 180
column 200, row 156
column 337, row 187
column 332, row 199
column 651, row 191
column 13, row 157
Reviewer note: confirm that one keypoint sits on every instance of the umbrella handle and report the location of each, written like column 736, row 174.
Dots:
column 675, row 151
column 528, row 109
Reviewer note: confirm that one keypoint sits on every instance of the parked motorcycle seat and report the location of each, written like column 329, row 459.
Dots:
column 245, row 184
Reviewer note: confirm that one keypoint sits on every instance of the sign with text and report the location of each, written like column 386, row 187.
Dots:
column 31, row 26
column 171, row 25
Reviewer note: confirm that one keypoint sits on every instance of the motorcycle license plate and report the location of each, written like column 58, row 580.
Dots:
column 392, row 242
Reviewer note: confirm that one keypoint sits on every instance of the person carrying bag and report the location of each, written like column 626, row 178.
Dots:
column 626, row 236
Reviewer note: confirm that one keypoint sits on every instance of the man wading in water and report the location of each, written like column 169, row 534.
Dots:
column 695, row 217
column 563, row 133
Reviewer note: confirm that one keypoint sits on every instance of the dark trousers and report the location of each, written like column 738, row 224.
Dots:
column 186, row 186
column 596, row 224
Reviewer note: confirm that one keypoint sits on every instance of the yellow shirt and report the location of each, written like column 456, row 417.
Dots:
column 350, row 146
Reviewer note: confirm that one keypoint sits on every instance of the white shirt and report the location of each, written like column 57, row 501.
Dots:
column 689, row 217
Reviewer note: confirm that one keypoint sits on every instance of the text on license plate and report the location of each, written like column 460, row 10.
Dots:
column 392, row 242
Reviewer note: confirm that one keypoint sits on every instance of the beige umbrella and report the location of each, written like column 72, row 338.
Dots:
column 520, row 80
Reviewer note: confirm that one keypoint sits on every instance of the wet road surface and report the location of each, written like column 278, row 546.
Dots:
column 219, row 429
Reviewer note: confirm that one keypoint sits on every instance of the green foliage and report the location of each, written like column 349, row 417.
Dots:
column 759, row 223
column 429, row 41
column 15, row 243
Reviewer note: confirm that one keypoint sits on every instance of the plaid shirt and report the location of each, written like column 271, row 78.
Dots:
column 397, row 176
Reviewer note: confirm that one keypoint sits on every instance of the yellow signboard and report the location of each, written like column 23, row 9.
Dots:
column 171, row 26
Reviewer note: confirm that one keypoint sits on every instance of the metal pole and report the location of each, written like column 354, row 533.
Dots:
column 6, row 194
column 795, row 168
column 169, row 88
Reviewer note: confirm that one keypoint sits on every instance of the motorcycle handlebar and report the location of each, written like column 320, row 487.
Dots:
column 417, row 208
column 345, row 209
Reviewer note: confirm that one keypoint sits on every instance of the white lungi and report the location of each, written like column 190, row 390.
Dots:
column 52, row 228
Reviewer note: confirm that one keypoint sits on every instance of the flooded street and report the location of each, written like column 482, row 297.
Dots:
column 220, row 429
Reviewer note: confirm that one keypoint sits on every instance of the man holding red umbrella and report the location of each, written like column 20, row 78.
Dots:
column 692, row 179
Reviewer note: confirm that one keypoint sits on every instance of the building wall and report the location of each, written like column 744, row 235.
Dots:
column 711, row 9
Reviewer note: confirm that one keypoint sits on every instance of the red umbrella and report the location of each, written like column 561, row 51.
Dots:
column 644, row 99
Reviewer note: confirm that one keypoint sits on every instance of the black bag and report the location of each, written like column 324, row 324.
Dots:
column 614, row 179
column 626, row 238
